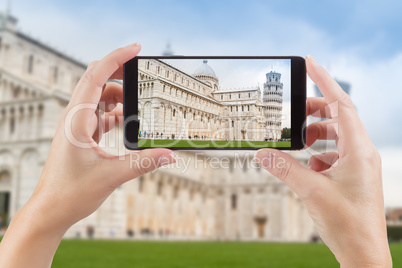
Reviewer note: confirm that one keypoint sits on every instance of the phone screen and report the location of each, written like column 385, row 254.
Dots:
column 213, row 102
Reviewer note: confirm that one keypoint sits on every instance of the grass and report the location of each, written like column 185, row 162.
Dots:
column 151, row 254
column 191, row 254
column 210, row 143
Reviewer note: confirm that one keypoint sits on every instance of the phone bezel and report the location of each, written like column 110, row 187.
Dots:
column 298, row 102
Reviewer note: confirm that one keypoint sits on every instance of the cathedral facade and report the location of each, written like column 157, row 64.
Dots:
column 184, row 106
column 195, row 199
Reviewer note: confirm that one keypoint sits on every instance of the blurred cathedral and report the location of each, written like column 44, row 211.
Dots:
column 236, row 202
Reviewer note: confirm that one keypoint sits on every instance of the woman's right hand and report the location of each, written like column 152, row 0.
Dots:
column 341, row 190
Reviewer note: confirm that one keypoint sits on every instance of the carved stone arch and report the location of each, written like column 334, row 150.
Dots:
column 28, row 154
column 169, row 180
column 7, row 158
column 30, row 169
column 41, row 108
column 21, row 110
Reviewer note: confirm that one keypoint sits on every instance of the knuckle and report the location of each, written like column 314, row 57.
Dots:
column 346, row 100
column 92, row 64
column 369, row 157
column 88, row 75
column 284, row 171
column 146, row 165
column 119, row 50
column 374, row 157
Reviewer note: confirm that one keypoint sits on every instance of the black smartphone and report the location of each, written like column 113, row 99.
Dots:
column 214, row 103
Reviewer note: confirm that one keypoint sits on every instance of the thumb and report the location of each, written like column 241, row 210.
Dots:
column 133, row 165
column 299, row 178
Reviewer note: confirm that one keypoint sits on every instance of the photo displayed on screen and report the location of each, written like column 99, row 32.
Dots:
column 214, row 103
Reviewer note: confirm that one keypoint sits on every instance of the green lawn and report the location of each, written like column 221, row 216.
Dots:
column 111, row 254
column 209, row 143
column 73, row 253
column 191, row 254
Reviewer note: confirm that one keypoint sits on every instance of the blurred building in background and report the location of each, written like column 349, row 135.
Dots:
column 35, row 84
column 238, row 202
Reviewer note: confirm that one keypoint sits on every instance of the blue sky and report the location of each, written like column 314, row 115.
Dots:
column 357, row 41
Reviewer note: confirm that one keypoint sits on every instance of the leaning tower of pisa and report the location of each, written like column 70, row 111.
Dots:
column 272, row 100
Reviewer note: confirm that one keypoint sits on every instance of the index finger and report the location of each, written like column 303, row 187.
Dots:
column 351, row 132
column 90, row 87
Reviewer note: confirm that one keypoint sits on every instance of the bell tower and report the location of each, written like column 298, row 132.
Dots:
column 272, row 100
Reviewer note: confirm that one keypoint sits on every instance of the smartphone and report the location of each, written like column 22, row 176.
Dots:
column 214, row 103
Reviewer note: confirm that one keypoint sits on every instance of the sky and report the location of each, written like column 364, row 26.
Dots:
column 356, row 41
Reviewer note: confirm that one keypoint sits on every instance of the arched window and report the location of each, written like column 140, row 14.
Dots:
column 237, row 108
column 12, row 125
column 55, row 74
column 231, row 108
column 148, row 65
column 232, row 123
column 242, row 108
column 176, row 191
column 5, row 177
column 30, row 64
column 159, row 188
column 233, row 201
column 248, row 108
column 184, row 114
column 174, row 112
column 167, row 74
column 140, row 184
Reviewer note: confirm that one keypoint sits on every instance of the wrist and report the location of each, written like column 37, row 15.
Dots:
column 34, row 231
column 376, row 254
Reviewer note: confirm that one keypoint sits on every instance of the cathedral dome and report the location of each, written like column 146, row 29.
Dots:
column 204, row 70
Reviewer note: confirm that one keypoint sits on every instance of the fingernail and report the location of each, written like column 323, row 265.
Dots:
column 311, row 59
column 134, row 45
